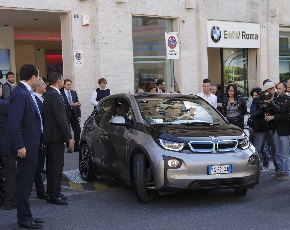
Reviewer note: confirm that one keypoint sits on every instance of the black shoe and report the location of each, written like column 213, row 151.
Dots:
column 63, row 197
column 9, row 207
column 58, row 201
column 38, row 220
column 30, row 225
column 41, row 195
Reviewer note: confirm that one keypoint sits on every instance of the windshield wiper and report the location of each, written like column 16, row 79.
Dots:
column 199, row 123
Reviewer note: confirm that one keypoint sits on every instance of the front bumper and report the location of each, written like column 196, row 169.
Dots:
column 193, row 172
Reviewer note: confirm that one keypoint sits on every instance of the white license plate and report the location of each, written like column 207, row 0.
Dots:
column 219, row 169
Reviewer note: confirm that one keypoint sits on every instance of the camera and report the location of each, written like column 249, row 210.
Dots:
column 266, row 97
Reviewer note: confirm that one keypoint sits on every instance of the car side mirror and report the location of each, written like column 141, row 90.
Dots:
column 118, row 120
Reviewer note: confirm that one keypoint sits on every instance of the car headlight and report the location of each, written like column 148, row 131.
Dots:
column 244, row 143
column 171, row 145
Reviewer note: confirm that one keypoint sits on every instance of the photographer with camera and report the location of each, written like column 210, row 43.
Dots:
column 280, row 106
column 259, row 126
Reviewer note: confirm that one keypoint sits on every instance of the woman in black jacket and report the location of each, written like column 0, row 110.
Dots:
column 234, row 106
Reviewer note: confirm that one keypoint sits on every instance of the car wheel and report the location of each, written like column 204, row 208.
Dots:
column 142, row 179
column 241, row 192
column 85, row 164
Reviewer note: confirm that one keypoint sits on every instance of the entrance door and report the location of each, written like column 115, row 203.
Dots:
column 235, row 68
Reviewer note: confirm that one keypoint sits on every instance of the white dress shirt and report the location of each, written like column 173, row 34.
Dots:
column 94, row 102
column 40, row 97
column 55, row 89
column 211, row 99
column 67, row 95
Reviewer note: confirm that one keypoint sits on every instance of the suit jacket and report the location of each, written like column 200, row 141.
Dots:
column 56, row 128
column 4, row 105
column 7, row 89
column 77, row 111
column 23, row 124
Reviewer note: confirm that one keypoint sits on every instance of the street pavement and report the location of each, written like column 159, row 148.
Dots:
column 106, row 204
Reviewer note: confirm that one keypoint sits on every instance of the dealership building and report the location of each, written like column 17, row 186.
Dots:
column 124, row 41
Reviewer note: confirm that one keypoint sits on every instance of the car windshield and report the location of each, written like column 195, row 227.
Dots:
column 178, row 111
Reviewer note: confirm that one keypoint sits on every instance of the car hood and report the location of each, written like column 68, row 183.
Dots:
column 187, row 132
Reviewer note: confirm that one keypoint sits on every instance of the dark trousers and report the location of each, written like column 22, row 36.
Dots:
column 55, row 163
column 9, row 173
column 38, row 181
column 25, row 176
column 75, row 125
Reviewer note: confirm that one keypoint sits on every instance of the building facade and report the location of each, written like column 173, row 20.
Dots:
column 123, row 41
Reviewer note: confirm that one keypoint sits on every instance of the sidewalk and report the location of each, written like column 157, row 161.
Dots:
column 71, row 161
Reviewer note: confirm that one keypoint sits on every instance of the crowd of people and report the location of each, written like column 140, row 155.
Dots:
column 268, row 121
column 36, row 123
column 269, row 125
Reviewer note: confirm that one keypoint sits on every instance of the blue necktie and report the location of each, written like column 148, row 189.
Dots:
column 33, row 98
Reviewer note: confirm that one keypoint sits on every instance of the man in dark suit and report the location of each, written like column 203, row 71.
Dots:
column 38, row 181
column 56, row 133
column 10, row 196
column 24, row 126
column 74, row 113
column 8, row 86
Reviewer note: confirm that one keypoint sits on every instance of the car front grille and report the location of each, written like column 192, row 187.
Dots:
column 210, row 146
column 214, row 183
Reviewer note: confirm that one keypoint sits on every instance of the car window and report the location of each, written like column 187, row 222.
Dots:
column 104, row 111
column 178, row 111
column 121, row 107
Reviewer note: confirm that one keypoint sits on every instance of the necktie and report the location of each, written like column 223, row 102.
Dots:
column 69, row 97
column 34, row 100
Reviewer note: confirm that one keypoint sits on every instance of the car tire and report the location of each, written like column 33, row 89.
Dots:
column 85, row 164
column 241, row 192
column 144, row 195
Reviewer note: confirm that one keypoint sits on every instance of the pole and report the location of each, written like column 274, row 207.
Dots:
column 172, row 75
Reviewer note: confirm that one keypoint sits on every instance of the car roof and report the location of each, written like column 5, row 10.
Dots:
column 155, row 95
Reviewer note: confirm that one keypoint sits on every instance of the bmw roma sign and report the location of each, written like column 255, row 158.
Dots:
column 233, row 34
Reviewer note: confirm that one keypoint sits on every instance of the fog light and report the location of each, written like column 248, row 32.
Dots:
column 174, row 163
column 253, row 160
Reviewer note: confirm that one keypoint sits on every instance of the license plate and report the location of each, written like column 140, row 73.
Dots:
column 219, row 169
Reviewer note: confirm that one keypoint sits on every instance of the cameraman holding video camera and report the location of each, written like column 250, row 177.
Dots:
column 262, row 130
column 280, row 106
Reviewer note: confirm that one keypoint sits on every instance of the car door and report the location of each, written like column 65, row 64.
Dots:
column 119, row 136
column 98, row 135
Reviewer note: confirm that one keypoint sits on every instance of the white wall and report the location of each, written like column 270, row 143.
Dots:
column 107, row 42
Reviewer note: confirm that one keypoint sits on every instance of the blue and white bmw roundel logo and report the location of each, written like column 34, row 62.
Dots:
column 215, row 34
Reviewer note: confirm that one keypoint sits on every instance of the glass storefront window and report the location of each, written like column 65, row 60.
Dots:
column 235, row 68
column 149, row 51
column 284, row 53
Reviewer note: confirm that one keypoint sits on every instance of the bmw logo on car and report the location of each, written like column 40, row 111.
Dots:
column 215, row 34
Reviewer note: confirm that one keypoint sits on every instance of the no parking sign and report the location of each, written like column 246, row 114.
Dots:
column 172, row 46
column 78, row 58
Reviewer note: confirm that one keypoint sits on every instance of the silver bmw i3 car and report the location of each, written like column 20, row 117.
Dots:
column 161, row 142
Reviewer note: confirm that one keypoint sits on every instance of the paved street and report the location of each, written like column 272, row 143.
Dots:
column 108, row 205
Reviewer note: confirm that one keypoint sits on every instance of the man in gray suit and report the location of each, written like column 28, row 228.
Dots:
column 8, row 86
